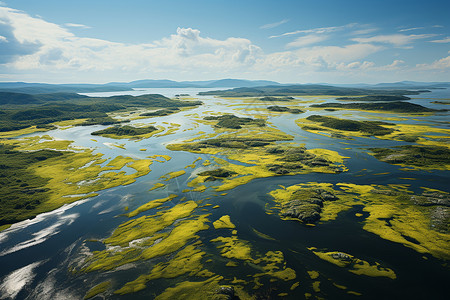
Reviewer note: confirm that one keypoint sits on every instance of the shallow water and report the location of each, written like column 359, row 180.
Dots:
column 35, row 254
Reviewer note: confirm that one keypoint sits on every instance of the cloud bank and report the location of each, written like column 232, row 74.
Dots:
column 32, row 46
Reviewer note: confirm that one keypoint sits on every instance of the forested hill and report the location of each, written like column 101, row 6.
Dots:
column 306, row 89
column 18, row 110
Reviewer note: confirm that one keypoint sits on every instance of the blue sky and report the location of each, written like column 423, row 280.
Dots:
column 287, row 41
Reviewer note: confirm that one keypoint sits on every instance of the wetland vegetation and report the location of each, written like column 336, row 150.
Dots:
column 173, row 238
column 395, row 106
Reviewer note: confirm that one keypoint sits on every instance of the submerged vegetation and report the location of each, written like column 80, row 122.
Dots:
column 418, row 221
column 259, row 147
column 42, row 174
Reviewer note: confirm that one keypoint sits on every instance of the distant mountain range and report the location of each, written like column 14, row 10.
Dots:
column 44, row 88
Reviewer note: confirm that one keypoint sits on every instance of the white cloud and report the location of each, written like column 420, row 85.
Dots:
column 364, row 31
column 3, row 39
column 307, row 40
column 320, row 57
column 438, row 65
column 77, row 25
column 57, row 48
column 316, row 30
column 412, row 28
column 394, row 39
column 273, row 25
column 442, row 41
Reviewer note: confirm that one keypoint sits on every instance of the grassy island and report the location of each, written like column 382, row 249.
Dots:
column 125, row 131
column 395, row 106
column 259, row 147
column 376, row 98
column 276, row 108
column 49, row 108
column 421, row 157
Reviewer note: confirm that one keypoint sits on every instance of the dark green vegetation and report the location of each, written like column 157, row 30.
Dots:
column 217, row 174
column 242, row 143
column 397, row 106
column 441, row 102
column 307, row 89
column 376, row 98
column 414, row 155
column 285, row 109
column 159, row 113
column 20, row 188
column 269, row 98
column 49, row 108
column 125, row 130
column 307, row 204
column 231, row 121
column 370, row 127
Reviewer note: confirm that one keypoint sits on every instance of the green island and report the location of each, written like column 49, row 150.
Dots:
column 45, row 109
column 276, row 108
column 40, row 174
column 415, row 156
column 376, row 98
column 305, row 89
column 418, row 221
column 270, row 98
column 366, row 127
column 125, row 131
column 395, row 106
column 347, row 129
column 259, row 147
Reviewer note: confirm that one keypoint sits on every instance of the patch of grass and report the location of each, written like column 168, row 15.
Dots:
column 422, row 157
column 125, row 131
column 395, row 106
column 233, row 122
column 370, row 127
column 276, row 108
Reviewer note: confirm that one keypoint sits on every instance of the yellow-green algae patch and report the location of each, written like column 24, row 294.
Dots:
column 223, row 222
column 186, row 261
column 173, row 175
column 232, row 247
column 78, row 173
column 420, row 134
column 150, row 205
column 191, row 290
column 157, row 186
column 305, row 191
column 98, row 289
column 256, row 146
column 313, row 274
column 156, row 156
column 147, row 237
column 355, row 265
column 393, row 212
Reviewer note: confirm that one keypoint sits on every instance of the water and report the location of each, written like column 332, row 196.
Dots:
column 35, row 255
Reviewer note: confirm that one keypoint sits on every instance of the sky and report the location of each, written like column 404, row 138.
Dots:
column 301, row 41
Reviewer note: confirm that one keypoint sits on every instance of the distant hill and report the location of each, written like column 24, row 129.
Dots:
column 22, row 99
column 42, row 88
column 305, row 89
